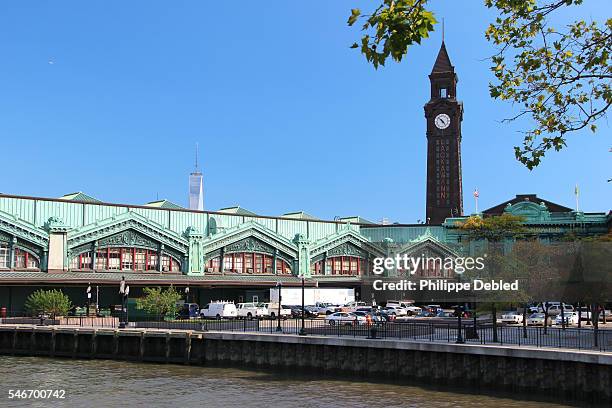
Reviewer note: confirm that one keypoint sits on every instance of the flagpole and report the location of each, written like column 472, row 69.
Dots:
column 576, row 193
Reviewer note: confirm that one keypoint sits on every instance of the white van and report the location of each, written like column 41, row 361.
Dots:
column 219, row 310
column 250, row 310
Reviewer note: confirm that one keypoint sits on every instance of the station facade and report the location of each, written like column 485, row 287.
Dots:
column 76, row 242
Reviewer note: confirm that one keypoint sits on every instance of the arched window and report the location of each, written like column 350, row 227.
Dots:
column 125, row 259
column 25, row 260
column 340, row 265
column 248, row 262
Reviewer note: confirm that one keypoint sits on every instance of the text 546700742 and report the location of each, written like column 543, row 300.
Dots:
column 37, row 394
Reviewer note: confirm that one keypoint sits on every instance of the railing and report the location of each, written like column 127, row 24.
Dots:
column 585, row 338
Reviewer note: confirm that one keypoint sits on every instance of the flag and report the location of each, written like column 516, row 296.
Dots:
column 476, row 193
column 576, row 191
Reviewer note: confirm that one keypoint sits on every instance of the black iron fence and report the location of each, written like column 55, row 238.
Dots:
column 585, row 338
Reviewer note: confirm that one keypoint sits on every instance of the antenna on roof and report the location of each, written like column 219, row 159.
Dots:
column 196, row 157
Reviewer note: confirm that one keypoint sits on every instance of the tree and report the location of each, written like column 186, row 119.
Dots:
column 392, row 28
column 159, row 302
column 494, row 228
column 48, row 302
column 561, row 79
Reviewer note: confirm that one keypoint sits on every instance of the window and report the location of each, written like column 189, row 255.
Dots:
column 443, row 93
column 4, row 256
column 81, row 261
column 340, row 265
column 248, row 262
column 114, row 258
column 169, row 264
column 101, row 260
column 124, row 259
column 25, row 260
column 127, row 259
column 140, row 259
column 238, row 258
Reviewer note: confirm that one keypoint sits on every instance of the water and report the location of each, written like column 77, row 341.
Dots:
column 102, row 383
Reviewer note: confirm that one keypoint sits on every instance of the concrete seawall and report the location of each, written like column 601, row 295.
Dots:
column 563, row 374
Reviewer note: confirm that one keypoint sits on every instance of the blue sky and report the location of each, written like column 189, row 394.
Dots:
column 287, row 116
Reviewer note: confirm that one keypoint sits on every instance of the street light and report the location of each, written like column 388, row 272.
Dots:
column 122, row 289
column 459, row 311
column 88, row 291
column 302, row 330
column 187, row 294
column 279, row 285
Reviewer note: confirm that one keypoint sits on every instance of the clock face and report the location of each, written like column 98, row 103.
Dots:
column 442, row 121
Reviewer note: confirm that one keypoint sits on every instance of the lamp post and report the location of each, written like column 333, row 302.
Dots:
column 122, row 294
column 459, row 335
column 88, row 292
column 127, row 293
column 302, row 330
column 279, row 285
column 187, row 294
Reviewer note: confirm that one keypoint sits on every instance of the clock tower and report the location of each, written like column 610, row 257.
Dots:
column 444, row 115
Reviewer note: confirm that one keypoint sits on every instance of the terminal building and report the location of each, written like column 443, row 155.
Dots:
column 76, row 240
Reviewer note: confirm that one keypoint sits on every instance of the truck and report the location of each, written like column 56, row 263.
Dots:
column 271, row 311
column 250, row 310
column 312, row 296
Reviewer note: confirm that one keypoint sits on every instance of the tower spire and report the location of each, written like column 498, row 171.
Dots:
column 442, row 30
column 196, row 156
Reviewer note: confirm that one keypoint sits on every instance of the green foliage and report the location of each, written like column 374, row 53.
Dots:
column 393, row 27
column 159, row 302
column 560, row 79
column 493, row 228
column 49, row 302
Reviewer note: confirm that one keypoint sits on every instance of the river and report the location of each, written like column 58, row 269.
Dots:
column 103, row 383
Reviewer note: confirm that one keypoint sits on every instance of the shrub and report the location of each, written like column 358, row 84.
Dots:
column 50, row 302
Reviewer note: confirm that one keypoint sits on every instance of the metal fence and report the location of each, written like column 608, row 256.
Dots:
column 585, row 338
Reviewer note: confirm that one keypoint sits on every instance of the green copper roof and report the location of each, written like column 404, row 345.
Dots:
column 299, row 215
column 237, row 210
column 356, row 219
column 164, row 204
column 80, row 196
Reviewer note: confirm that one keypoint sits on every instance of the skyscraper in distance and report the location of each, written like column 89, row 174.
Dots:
column 196, row 187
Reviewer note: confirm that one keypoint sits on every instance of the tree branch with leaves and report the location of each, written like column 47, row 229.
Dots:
column 560, row 79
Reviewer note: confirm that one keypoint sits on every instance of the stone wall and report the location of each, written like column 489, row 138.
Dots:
column 561, row 374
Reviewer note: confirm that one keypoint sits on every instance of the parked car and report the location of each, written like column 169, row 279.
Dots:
column 537, row 319
column 189, row 311
column 412, row 310
column 271, row 311
column 384, row 316
column 570, row 318
column 425, row 313
column 432, row 308
column 445, row 313
column 325, row 308
column 345, row 318
column 296, row 311
column 250, row 310
column 512, row 317
column 219, row 310
column 395, row 310
column 554, row 308
column 352, row 306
